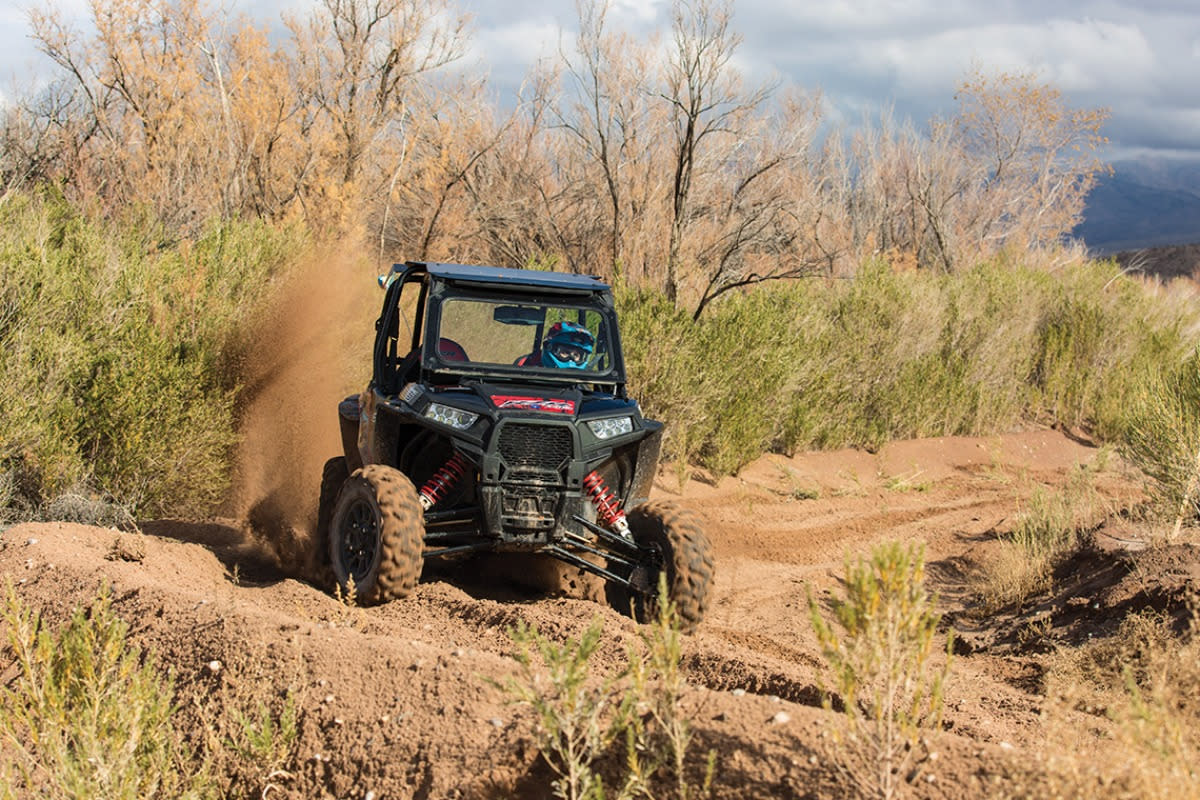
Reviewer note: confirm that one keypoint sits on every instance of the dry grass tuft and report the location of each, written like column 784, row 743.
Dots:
column 1046, row 530
column 1141, row 688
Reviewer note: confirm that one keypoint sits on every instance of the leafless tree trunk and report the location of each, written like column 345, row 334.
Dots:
column 706, row 100
column 765, row 208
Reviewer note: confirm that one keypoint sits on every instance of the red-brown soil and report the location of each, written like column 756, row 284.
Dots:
column 394, row 700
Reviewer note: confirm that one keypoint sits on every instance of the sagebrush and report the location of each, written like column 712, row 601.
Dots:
column 578, row 713
column 824, row 364
column 886, row 674
column 120, row 363
column 87, row 715
column 1162, row 437
column 631, row 724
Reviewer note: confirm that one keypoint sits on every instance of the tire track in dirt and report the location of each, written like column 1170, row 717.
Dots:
column 768, row 573
column 794, row 536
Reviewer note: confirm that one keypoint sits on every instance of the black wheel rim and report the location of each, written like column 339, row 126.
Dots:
column 360, row 540
column 652, row 566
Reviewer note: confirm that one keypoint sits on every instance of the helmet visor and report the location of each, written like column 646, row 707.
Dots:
column 570, row 353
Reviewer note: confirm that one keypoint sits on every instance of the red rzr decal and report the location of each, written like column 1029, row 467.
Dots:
column 548, row 404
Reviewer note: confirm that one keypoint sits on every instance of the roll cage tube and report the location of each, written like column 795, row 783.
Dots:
column 396, row 364
column 389, row 357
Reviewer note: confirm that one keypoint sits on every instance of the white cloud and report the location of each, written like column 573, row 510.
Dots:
column 523, row 41
column 1083, row 56
column 862, row 16
column 638, row 12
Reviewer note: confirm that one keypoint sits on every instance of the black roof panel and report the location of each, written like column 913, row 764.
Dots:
column 513, row 277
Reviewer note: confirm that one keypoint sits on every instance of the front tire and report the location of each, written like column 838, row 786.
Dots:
column 676, row 544
column 377, row 535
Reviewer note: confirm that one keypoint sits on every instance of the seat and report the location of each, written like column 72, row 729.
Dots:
column 450, row 350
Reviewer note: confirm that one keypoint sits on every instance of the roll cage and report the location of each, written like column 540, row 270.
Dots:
column 426, row 287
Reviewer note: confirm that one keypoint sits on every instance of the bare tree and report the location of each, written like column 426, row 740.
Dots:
column 732, row 186
column 606, row 111
column 136, row 82
column 764, row 207
column 440, row 162
column 357, row 58
column 164, row 107
column 1035, row 158
column 1011, row 170
column 707, row 101
column 39, row 138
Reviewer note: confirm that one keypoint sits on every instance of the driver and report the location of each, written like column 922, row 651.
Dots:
column 567, row 345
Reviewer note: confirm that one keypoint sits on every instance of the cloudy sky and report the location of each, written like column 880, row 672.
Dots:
column 1140, row 58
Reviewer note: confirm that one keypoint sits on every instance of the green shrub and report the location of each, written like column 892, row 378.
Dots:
column 118, row 353
column 879, row 651
column 87, row 715
column 578, row 715
column 662, row 735
column 265, row 742
column 1046, row 530
column 122, row 356
column 821, row 364
column 1162, row 437
column 581, row 718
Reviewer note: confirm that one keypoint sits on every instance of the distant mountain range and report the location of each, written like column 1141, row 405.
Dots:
column 1143, row 204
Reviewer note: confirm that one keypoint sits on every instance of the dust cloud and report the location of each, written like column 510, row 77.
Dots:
column 311, row 349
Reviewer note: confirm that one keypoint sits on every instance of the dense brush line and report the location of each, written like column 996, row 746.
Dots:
column 824, row 363
column 123, row 355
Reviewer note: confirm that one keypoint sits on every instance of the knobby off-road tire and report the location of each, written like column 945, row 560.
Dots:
column 685, row 554
column 333, row 475
column 377, row 535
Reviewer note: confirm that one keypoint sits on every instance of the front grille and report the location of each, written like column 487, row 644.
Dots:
column 535, row 448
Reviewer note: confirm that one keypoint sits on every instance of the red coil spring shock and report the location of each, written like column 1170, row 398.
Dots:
column 608, row 508
column 443, row 480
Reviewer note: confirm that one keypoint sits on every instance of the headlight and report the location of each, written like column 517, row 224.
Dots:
column 454, row 417
column 613, row 426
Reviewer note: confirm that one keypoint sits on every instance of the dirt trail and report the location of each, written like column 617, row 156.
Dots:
column 394, row 700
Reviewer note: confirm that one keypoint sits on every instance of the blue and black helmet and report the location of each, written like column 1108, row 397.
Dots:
column 567, row 345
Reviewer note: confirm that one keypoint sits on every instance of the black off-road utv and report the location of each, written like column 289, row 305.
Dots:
column 497, row 420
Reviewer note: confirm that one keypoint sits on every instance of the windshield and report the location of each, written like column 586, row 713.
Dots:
column 570, row 339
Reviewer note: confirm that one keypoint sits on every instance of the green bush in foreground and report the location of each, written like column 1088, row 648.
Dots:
column 661, row 738
column 880, row 653
column 582, row 716
column 578, row 716
column 263, row 741
column 86, row 717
